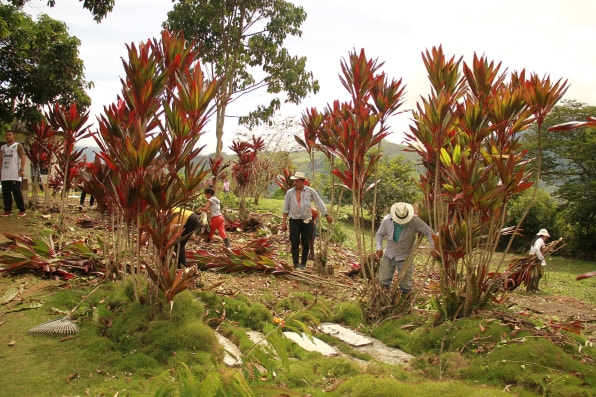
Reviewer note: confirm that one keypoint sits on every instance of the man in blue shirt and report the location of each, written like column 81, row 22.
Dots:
column 399, row 228
column 297, row 208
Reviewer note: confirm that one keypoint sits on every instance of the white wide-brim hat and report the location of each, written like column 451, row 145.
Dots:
column 543, row 232
column 402, row 213
column 298, row 175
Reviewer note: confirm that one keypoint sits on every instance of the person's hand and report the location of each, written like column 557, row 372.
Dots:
column 543, row 263
column 284, row 227
column 329, row 218
column 144, row 238
column 379, row 254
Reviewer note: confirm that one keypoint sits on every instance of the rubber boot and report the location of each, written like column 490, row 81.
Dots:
column 226, row 242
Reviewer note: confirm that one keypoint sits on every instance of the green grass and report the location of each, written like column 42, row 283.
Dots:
column 560, row 274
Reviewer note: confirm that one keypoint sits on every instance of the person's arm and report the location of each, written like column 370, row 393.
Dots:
column 285, row 210
column 379, row 237
column 206, row 207
column 538, row 245
column 422, row 227
column 321, row 206
column 284, row 222
column 21, row 153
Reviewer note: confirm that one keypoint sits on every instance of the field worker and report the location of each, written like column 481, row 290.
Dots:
column 189, row 222
column 537, row 250
column 399, row 228
column 297, row 207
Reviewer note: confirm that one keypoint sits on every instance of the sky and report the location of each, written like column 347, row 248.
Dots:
column 548, row 37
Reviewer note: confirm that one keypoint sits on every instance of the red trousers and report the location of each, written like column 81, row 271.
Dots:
column 217, row 222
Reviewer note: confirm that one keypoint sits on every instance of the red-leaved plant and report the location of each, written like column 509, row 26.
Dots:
column 149, row 141
column 349, row 131
column 467, row 133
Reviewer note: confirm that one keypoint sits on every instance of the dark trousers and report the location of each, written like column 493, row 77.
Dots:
column 190, row 227
column 300, row 233
column 82, row 201
column 10, row 189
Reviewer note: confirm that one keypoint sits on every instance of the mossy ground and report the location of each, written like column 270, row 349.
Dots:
column 135, row 351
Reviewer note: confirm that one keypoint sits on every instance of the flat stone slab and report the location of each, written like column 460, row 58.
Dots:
column 345, row 335
column 385, row 354
column 233, row 356
column 257, row 338
column 314, row 345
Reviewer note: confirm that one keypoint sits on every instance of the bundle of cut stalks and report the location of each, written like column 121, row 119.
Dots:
column 528, row 270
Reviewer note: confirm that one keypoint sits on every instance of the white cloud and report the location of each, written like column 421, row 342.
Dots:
column 548, row 37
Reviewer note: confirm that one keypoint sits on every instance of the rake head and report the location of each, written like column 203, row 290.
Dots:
column 60, row 326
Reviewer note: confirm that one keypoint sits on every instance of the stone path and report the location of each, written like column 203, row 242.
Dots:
column 359, row 342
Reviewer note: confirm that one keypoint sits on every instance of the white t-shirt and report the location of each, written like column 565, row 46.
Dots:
column 11, row 163
column 215, row 207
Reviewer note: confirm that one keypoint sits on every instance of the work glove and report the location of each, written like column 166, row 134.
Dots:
column 543, row 263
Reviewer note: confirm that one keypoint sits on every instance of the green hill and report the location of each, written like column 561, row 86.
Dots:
column 301, row 160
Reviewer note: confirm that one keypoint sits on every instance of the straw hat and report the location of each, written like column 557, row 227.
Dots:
column 543, row 232
column 402, row 213
column 298, row 175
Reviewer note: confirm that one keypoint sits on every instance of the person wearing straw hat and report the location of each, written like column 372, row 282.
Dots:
column 399, row 228
column 297, row 208
column 536, row 249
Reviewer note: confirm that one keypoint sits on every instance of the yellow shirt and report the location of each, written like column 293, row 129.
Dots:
column 179, row 218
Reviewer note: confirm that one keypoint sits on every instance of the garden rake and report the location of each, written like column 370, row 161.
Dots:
column 63, row 325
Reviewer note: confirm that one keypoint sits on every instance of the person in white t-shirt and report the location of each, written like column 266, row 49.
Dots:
column 12, row 159
column 216, row 218
column 536, row 249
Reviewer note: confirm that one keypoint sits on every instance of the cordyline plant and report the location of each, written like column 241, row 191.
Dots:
column 246, row 170
column 217, row 167
column 40, row 147
column 69, row 125
column 146, row 165
column 467, row 134
column 349, row 131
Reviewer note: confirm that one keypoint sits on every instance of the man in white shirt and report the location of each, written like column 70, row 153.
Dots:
column 297, row 208
column 12, row 159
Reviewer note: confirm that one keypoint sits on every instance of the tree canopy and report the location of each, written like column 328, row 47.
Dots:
column 242, row 42
column 98, row 8
column 39, row 65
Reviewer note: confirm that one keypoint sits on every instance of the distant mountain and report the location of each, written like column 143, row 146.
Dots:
column 89, row 152
column 300, row 158
column 302, row 162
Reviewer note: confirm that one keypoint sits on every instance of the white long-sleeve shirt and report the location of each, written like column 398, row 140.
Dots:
column 309, row 195
column 536, row 248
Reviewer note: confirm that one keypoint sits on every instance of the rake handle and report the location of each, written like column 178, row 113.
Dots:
column 82, row 300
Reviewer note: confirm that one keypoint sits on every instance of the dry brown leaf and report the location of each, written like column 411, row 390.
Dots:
column 71, row 377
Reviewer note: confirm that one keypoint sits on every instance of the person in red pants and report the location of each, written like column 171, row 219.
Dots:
column 216, row 218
